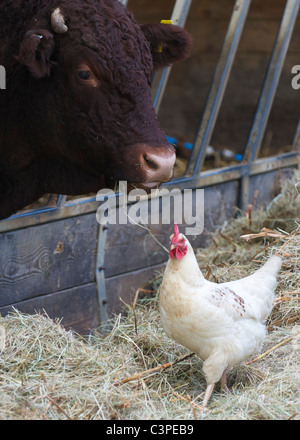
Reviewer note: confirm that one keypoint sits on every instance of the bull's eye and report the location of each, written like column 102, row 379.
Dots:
column 85, row 74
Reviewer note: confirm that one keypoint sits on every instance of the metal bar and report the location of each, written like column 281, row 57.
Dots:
column 218, row 86
column 160, row 80
column 268, row 92
column 244, row 192
column 62, row 199
column 100, row 274
column 235, row 172
column 296, row 141
column 271, row 80
column 86, row 206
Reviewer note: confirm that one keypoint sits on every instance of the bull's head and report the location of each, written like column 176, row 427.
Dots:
column 95, row 73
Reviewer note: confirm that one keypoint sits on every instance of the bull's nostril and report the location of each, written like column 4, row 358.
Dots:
column 157, row 163
column 150, row 163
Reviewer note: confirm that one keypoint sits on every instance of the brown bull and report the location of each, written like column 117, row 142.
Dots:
column 76, row 114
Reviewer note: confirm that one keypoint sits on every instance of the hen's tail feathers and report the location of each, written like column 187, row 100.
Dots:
column 273, row 265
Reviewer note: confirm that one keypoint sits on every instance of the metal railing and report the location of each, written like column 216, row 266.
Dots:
column 178, row 17
column 194, row 176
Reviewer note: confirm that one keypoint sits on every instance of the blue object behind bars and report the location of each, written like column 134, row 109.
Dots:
column 189, row 146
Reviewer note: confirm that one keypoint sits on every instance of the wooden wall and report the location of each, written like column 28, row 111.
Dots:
column 52, row 267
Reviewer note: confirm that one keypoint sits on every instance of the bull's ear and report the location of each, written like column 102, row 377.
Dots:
column 168, row 43
column 35, row 52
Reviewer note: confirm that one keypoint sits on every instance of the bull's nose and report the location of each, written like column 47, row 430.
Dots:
column 158, row 164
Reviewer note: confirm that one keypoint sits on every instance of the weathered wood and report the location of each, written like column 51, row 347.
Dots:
column 268, row 185
column 121, row 288
column 76, row 307
column 47, row 258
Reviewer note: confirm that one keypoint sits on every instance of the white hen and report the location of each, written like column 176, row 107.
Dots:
column 223, row 323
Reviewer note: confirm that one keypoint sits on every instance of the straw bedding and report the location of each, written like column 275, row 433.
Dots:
column 136, row 372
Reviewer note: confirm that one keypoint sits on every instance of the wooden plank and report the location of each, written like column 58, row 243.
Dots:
column 73, row 208
column 129, row 247
column 77, row 307
column 121, row 288
column 268, row 185
column 47, row 258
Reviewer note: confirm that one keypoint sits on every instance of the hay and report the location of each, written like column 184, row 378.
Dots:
column 137, row 373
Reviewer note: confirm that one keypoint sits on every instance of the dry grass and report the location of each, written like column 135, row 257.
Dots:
column 49, row 373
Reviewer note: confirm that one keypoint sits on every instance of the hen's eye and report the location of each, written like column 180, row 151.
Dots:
column 85, row 74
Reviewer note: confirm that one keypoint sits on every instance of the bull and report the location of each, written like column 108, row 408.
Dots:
column 76, row 114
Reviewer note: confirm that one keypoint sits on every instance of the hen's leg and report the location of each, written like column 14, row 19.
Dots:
column 213, row 368
column 224, row 386
column 208, row 393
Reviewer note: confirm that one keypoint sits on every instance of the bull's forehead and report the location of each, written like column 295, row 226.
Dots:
column 110, row 30
column 105, row 24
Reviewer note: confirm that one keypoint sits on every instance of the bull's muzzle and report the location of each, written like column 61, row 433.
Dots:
column 157, row 164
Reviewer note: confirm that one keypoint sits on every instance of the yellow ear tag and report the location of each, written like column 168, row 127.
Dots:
column 166, row 21
column 160, row 48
